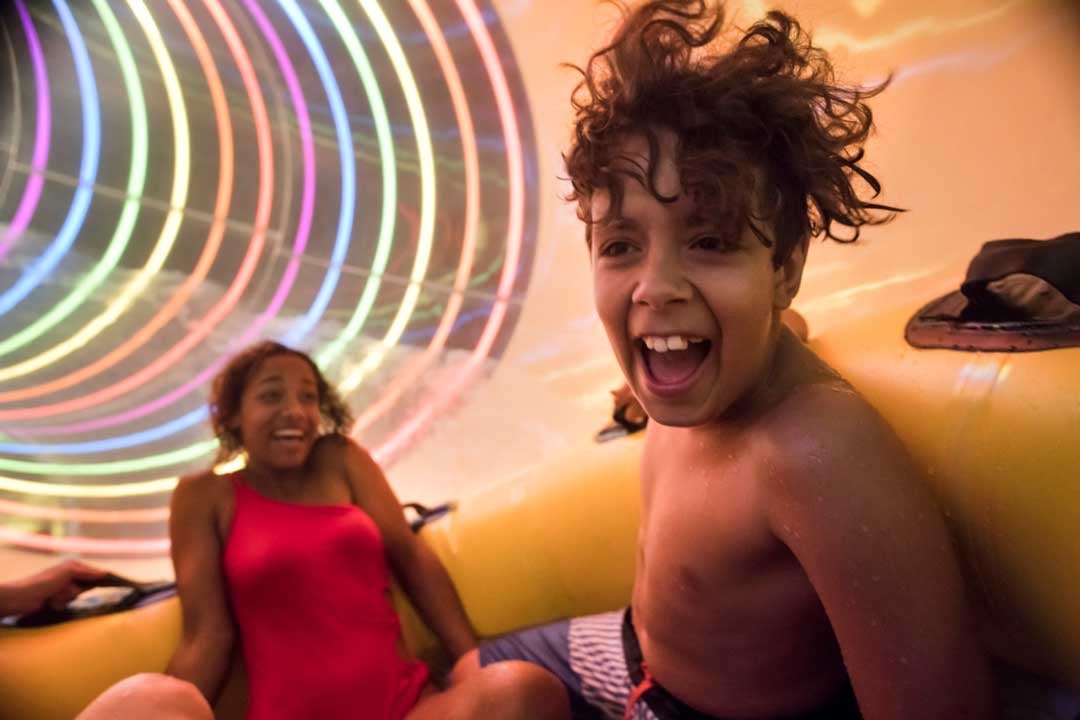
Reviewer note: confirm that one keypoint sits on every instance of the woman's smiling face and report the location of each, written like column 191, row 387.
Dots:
column 690, row 308
column 279, row 419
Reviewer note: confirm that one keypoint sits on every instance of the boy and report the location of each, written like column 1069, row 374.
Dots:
column 790, row 564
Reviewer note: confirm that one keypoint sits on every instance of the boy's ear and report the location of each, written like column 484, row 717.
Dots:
column 788, row 275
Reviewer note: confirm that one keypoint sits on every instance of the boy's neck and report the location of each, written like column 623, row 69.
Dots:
column 780, row 373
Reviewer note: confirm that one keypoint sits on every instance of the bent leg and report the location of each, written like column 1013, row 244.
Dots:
column 564, row 650
column 149, row 695
column 509, row 690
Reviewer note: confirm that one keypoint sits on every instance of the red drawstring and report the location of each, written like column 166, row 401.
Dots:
column 635, row 695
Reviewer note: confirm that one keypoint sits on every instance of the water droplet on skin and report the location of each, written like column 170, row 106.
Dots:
column 865, row 528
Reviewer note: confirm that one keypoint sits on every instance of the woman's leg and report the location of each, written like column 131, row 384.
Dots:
column 510, row 690
column 149, row 695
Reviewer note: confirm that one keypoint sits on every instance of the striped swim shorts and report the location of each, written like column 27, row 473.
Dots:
column 586, row 654
column 598, row 660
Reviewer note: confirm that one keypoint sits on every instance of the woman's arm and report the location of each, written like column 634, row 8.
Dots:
column 203, row 655
column 415, row 566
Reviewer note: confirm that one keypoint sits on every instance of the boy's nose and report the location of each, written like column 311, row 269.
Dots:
column 662, row 281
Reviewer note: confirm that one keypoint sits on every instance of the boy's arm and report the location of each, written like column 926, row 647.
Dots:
column 848, row 502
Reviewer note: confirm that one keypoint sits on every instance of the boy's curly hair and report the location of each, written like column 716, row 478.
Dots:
column 228, row 387
column 767, row 111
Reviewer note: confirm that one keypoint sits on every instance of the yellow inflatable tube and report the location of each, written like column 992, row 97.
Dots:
column 556, row 541
column 995, row 432
column 998, row 438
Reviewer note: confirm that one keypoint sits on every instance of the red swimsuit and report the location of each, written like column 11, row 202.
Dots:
column 308, row 585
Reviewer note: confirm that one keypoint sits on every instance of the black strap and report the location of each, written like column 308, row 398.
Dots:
column 1057, row 261
column 141, row 593
column 631, row 427
column 425, row 515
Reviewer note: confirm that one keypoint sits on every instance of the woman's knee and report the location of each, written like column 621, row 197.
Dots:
column 149, row 695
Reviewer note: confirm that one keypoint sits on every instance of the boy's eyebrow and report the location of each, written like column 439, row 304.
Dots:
column 697, row 218
column 618, row 222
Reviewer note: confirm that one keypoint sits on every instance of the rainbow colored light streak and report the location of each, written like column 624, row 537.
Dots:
column 348, row 170
column 177, row 200
column 88, row 396
column 136, row 181
column 32, row 194
column 88, row 167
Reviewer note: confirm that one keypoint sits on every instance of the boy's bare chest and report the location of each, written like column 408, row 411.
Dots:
column 711, row 575
column 704, row 528
column 720, row 603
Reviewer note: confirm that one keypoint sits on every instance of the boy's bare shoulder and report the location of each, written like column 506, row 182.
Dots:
column 827, row 403
column 826, row 433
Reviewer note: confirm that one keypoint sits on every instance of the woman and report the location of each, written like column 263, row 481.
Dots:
column 292, row 557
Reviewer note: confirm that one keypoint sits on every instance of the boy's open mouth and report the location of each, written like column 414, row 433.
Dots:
column 669, row 364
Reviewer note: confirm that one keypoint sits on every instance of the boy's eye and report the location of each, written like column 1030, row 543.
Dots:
column 614, row 248
column 270, row 395
column 713, row 243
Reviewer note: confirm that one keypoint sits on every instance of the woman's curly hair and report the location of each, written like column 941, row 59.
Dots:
column 767, row 111
column 227, row 392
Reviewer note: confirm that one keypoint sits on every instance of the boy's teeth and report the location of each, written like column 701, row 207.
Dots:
column 673, row 342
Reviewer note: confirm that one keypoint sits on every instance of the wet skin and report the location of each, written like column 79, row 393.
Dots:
column 727, row 618
column 760, row 581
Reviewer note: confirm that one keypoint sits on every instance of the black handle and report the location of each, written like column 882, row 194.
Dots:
column 425, row 514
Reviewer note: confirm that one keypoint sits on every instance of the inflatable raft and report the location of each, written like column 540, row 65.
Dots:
column 996, row 432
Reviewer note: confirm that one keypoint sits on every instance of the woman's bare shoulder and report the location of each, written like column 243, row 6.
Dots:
column 332, row 450
column 201, row 492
